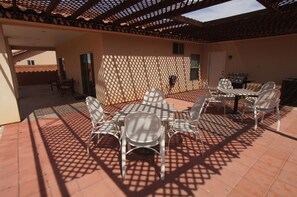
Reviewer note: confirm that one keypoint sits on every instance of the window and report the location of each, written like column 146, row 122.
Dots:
column 30, row 62
column 195, row 67
column 178, row 48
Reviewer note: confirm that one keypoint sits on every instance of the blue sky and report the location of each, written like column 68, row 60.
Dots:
column 231, row 8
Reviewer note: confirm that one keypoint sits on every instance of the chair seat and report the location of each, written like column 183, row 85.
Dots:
column 181, row 125
column 107, row 127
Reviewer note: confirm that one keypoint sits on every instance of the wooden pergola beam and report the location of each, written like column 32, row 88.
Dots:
column 122, row 6
column 188, row 8
column 53, row 4
column 147, row 10
column 84, row 8
column 269, row 4
column 189, row 21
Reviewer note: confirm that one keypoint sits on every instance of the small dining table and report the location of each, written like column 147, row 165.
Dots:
column 164, row 111
column 238, row 93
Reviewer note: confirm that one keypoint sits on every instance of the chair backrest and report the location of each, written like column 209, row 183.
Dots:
column 267, row 86
column 225, row 84
column 154, row 95
column 197, row 108
column 268, row 99
column 142, row 127
column 95, row 109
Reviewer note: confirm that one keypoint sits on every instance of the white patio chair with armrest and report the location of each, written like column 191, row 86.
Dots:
column 266, row 86
column 154, row 95
column 266, row 102
column 225, row 84
column 100, row 124
column 188, row 125
column 213, row 98
column 143, row 130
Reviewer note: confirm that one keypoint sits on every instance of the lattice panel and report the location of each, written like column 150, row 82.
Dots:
column 153, row 74
column 113, row 87
column 181, row 73
column 33, row 4
column 6, row 3
column 139, row 75
column 127, row 78
column 68, row 7
column 133, row 9
column 101, row 7
column 164, row 74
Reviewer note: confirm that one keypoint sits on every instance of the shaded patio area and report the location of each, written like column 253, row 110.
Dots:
column 46, row 156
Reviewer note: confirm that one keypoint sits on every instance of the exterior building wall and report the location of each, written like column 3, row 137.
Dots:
column 132, row 65
column 8, row 98
column 264, row 59
column 39, row 57
column 71, row 51
column 127, row 66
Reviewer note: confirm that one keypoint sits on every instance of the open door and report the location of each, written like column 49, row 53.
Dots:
column 216, row 67
column 87, row 74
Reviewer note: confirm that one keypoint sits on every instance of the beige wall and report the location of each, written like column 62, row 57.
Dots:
column 132, row 65
column 264, row 59
column 71, row 51
column 39, row 57
column 9, row 111
column 127, row 66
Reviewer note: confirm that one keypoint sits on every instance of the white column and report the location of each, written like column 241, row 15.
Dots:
column 9, row 111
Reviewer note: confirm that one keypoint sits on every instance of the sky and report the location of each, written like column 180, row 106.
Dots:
column 230, row 8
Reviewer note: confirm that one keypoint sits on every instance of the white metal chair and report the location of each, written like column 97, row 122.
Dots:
column 213, row 98
column 266, row 86
column 224, row 84
column 266, row 102
column 188, row 125
column 100, row 124
column 143, row 130
column 154, row 95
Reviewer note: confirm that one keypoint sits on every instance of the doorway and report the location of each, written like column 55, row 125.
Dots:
column 216, row 67
column 87, row 74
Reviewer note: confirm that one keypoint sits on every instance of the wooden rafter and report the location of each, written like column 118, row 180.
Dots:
column 190, row 21
column 171, row 23
column 188, row 8
column 157, row 6
column 84, row 8
column 270, row 4
column 122, row 6
column 53, row 4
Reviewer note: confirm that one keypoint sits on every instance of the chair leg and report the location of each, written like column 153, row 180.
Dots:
column 243, row 111
column 88, row 144
column 123, row 151
column 197, row 135
column 278, row 118
column 162, row 154
column 256, row 119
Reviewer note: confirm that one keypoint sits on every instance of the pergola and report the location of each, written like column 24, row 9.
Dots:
column 157, row 18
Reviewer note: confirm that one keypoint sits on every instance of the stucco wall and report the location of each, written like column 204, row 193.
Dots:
column 132, row 65
column 71, row 51
column 264, row 59
column 39, row 57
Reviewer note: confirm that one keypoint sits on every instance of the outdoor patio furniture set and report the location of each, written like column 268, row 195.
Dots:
column 145, row 125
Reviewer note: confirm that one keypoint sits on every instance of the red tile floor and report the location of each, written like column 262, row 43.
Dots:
column 45, row 155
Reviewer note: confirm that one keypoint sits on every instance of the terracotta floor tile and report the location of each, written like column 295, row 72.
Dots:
column 288, row 177
column 267, row 167
column 216, row 187
column 94, row 190
column 258, row 181
column 279, row 189
column 235, row 193
column 9, row 192
column 228, row 177
column 32, row 187
column 8, row 181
